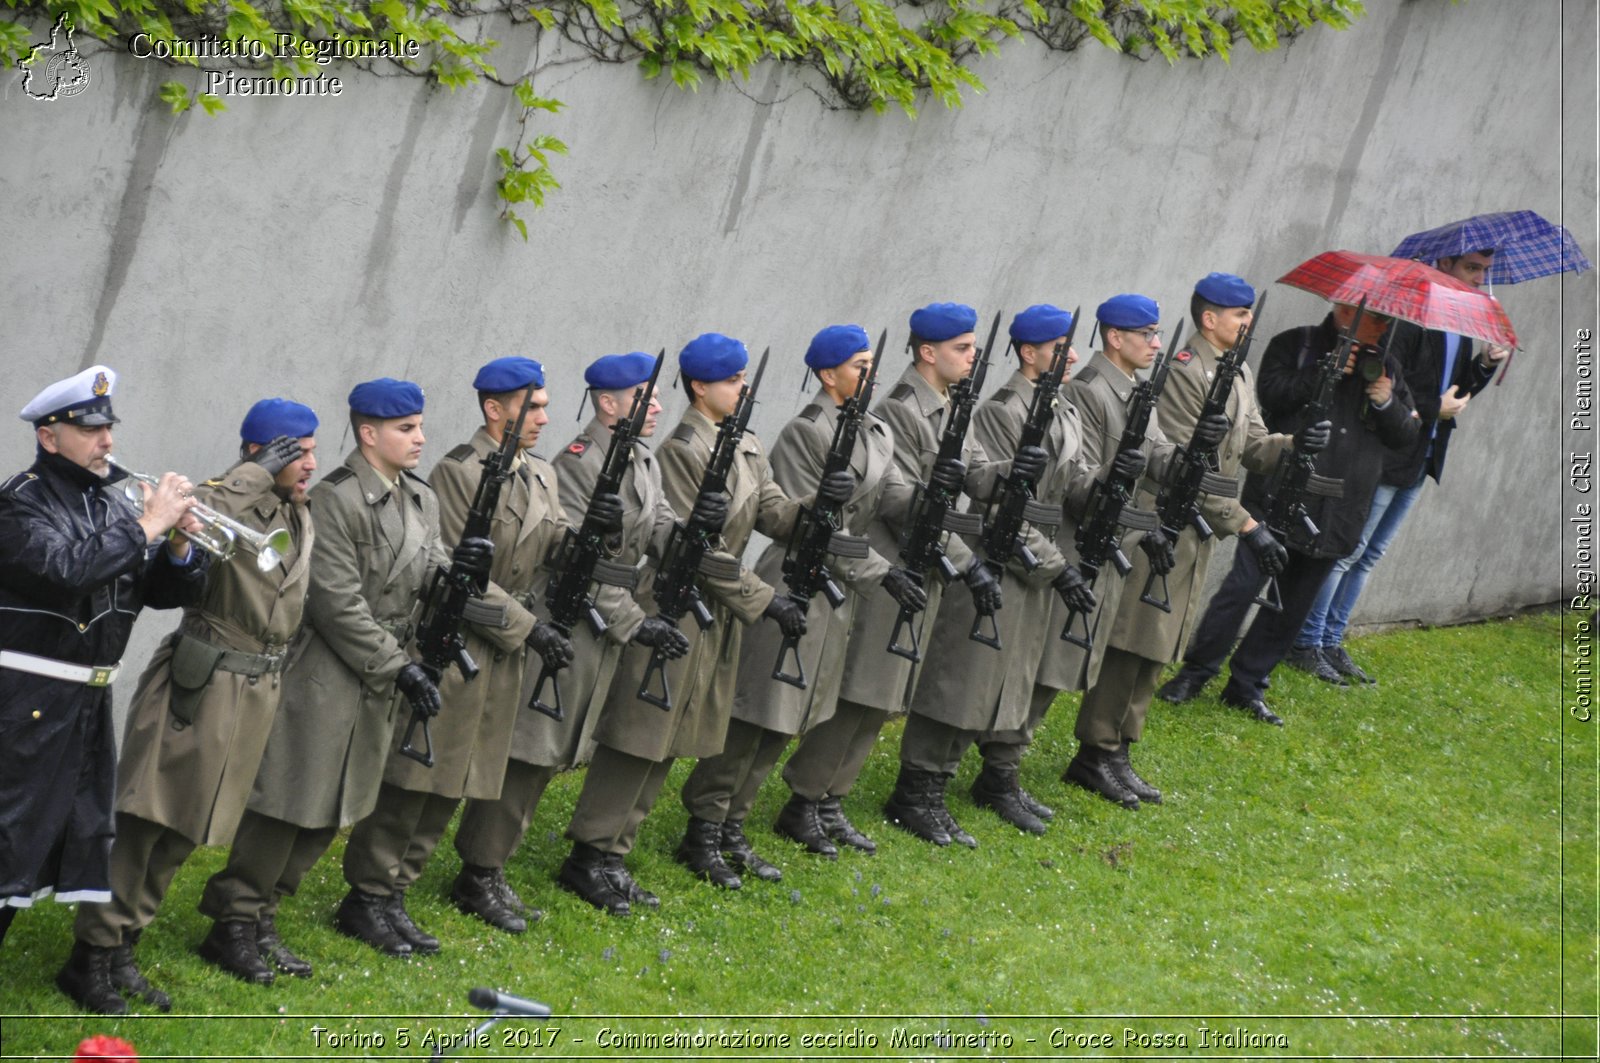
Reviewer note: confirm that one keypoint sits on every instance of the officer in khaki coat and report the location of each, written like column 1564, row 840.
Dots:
column 875, row 683
column 967, row 688
column 199, row 721
column 768, row 712
column 492, row 828
column 1142, row 639
column 390, row 846
column 345, row 682
column 638, row 741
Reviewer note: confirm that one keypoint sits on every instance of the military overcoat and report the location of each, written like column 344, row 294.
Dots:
column 195, row 777
column 374, row 551
column 966, row 683
column 1148, row 632
column 797, row 462
column 473, row 729
column 914, row 413
column 701, row 682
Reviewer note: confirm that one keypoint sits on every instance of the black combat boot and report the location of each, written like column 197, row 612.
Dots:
column 1034, row 805
column 422, row 942
column 624, row 883
column 912, row 805
column 1122, row 768
column 363, row 916
column 586, row 872
column 273, row 950
column 1184, row 686
column 942, row 783
column 736, row 849
column 86, row 978
column 127, row 977
column 998, row 791
column 830, row 810
column 701, row 852
column 232, row 946
column 477, row 892
column 801, row 821
column 1091, row 769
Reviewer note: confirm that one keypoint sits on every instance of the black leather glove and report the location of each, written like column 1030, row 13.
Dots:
column 1028, row 463
column 276, row 455
column 1270, row 554
column 985, row 587
column 1158, row 548
column 1074, row 590
column 836, row 487
column 1210, row 431
column 1313, row 438
column 710, row 511
column 414, row 685
column 906, row 590
column 549, row 643
column 662, row 634
column 1128, row 464
column 607, row 509
column 948, row 475
column 474, row 556
column 788, row 615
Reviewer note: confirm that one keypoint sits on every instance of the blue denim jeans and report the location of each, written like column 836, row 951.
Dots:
column 1330, row 613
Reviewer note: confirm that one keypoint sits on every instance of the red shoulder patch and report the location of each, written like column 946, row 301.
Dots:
column 576, row 448
column 1183, row 356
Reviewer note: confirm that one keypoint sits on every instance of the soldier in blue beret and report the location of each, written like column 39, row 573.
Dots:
column 70, row 546
column 875, row 684
column 637, row 741
column 206, row 703
column 722, row 789
column 542, row 747
column 967, row 693
column 377, row 542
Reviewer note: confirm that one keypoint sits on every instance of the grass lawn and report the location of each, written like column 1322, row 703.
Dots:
column 1408, row 870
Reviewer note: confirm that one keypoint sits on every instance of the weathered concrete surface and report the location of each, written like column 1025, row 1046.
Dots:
column 296, row 246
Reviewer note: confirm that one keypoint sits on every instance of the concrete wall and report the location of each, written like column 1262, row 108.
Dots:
column 296, row 246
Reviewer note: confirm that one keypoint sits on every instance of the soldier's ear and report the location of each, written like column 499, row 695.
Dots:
column 46, row 435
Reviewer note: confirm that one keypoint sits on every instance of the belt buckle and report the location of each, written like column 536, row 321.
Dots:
column 99, row 676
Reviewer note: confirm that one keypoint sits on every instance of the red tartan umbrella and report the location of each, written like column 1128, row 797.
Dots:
column 1402, row 288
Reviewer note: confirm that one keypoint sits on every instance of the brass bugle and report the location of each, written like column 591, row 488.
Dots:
column 220, row 535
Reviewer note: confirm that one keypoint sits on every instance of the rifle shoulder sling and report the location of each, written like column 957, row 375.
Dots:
column 1218, row 485
column 842, row 545
column 616, row 574
column 1138, row 519
column 963, row 523
column 719, row 566
column 480, row 613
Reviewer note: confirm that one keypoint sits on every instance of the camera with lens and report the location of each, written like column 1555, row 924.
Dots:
column 1369, row 362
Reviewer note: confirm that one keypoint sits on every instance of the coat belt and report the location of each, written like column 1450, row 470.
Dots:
column 90, row 675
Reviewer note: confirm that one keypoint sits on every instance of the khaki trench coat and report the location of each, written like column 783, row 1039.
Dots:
column 196, row 779
column 701, row 682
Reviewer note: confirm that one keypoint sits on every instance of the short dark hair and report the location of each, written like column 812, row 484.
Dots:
column 916, row 345
column 359, row 419
column 1198, row 305
column 502, row 397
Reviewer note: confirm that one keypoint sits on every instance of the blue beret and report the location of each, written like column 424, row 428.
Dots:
column 386, row 397
column 616, row 371
column 1128, row 311
column 1224, row 289
column 712, row 356
column 836, row 344
column 271, row 418
column 512, row 373
column 1040, row 323
column 942, row 321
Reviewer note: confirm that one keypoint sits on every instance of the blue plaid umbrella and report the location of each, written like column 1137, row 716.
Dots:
column 1525, row 245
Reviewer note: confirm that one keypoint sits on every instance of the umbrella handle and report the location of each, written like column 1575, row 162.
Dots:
column 1504, row 369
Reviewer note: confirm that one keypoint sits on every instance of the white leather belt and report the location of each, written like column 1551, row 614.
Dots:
column 90, row 675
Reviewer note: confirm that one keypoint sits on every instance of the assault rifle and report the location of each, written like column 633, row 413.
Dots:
column 690, row 541
column 805, row 568
column 1109, row 511
column 1294, row 479
column 1195, row 470
column 582, row 548
column 1004, row 520
column 439, row 640
column 934, row 512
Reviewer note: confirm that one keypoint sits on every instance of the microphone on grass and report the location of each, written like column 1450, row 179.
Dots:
column 506, row 1004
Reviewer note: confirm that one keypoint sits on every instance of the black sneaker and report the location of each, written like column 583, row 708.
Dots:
column 1309, row 660
column 1340, row 662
